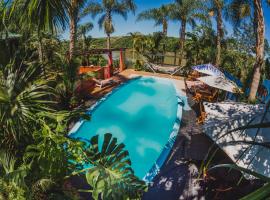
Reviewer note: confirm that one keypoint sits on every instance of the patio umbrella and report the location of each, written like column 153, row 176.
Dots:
column 208, row 69
column 239, row 145
column 220, row 82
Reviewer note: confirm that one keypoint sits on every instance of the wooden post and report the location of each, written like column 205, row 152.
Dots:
column 122, row 63
column 108, row 70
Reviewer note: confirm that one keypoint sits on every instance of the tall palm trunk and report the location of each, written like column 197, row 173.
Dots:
column 219, row 33
column 40, row 50
column 108, row 41
column 72, row 28
column 108, row 28
column 182, row 40
column 41, row 54
column 165, row 33
column 165, row 27
column 260, row 29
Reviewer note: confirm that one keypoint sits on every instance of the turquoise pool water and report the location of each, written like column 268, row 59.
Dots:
column 144, row 114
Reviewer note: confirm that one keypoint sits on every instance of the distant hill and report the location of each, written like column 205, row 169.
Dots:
column 116, row 42
column 126, row 42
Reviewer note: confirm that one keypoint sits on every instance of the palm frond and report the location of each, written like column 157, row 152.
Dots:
column 92, row 9
column 45, row 14
column 244, row 170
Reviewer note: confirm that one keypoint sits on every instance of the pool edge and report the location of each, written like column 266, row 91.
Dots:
column 155, row 169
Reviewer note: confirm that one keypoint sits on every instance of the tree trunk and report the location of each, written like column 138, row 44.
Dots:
column 72, row 28
column 108, row 41
column 182, row 40
column 174, row 61
column 108, row 27
column 260, row 29
column 165, row 32
column 72, row 38
column 219, row 33
column 40, row 50
column 165, row 28
column 84, row 42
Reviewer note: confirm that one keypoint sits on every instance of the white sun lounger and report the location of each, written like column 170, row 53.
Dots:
column 106, row 82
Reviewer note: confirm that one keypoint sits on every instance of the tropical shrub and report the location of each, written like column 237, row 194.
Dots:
column 23, row 93
column 110, row 174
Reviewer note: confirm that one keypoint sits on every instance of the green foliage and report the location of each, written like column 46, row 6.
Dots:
column 10, row 191
column 138, row 66
column 22, row 94
column 66, row 84
column 49, row 15
column 52, row 151
column 111, row 175
column 200, row 46
column 12, row 181
column 97, row 60
column 260, row 194
column 108, row 8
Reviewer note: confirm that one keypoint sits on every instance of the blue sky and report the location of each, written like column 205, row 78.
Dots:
column 123, row 27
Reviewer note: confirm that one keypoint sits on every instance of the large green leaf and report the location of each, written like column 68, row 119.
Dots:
column 247, row 171
column 110, row 174
column 260, row 194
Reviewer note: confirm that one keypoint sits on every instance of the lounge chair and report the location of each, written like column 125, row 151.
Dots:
column 106, row 82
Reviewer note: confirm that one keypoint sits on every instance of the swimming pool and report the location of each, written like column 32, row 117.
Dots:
column 145, row 115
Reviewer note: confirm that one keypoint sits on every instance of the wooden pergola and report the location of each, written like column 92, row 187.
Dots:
column 108, row 70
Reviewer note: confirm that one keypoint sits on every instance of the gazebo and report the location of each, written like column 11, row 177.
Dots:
column 107, row 71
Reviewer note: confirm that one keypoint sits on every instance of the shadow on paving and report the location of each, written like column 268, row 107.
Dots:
column 178, row 178
column 177, row 182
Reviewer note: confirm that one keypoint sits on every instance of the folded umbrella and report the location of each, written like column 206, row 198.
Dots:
column 208, row 69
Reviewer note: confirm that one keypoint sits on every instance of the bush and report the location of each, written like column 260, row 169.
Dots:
column 138, row 65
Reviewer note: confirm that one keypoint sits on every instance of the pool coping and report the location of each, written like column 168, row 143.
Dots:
column 155, row 169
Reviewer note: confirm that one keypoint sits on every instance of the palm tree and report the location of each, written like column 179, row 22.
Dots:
column 186, row 12
column 241, row 9
column 159, row 15
column 137, row 43
column 260, row 37
column 216, row 7
column 47, row 15
column 41, row 16
column 22, row 95
column 75, row 15
column 83, row 30
column 107, row 8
